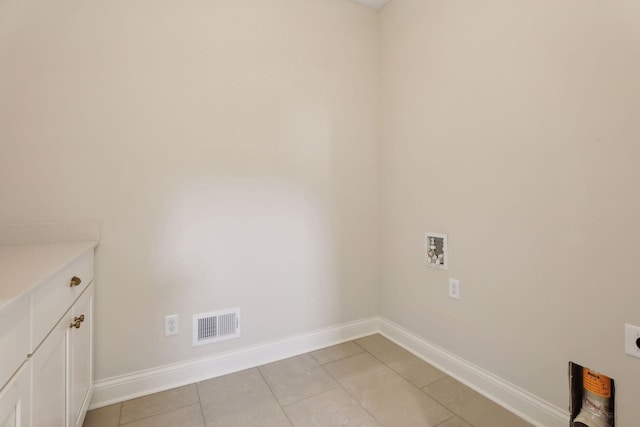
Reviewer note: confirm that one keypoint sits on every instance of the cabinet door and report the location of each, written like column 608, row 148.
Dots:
column 14, row 399
column 80, row 358
column 49, row 364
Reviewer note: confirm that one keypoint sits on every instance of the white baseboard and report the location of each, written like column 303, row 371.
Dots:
column 524, row 404
column 129, row 386
column 531, row 408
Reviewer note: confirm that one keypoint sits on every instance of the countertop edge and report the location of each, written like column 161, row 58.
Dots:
column 63, row 254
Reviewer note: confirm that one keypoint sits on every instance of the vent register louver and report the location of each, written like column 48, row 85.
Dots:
column 216, row 326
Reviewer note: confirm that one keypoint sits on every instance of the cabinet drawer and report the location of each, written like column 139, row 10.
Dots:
column 54, row 297
column 14, row 338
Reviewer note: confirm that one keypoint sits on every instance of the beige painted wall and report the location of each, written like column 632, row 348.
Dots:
column 513, row 127
column 228, row 148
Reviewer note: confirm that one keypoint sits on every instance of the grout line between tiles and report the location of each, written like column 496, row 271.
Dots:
column 318, row 393
column 464, row 419
column 402, row 376
column 159, row 413
column 444, row 421
column 390, row 367
column 204, row 422
column 314, row 358
column 310, row 396
column 340, row 358
column 420, row 389
column 274, row 395
column 347, row 391
column 434, row 382
column 120, row 413
column 442, row 404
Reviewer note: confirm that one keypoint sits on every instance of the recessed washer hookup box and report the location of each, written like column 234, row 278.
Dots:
column 592, row 398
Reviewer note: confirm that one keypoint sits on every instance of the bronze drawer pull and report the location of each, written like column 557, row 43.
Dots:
column 76, row 324
column 75, row 281
column 80, row 319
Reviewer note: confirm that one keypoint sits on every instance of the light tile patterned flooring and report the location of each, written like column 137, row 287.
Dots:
column 367, row 382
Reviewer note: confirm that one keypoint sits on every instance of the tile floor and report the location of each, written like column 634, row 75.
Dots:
column 366, row 382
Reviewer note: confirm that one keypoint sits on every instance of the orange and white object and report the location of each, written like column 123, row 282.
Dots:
column 596, row 401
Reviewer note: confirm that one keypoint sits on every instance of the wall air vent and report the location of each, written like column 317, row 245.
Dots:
column 216, row 326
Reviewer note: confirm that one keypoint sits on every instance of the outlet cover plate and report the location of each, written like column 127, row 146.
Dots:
column 631, row 337
column 454, row 288
column 171, row 326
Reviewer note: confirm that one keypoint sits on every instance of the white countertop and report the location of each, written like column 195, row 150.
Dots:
column 22, row 267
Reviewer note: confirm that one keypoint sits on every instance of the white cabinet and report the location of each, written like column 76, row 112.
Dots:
column 14, row 337
column 49, row 365
column 62, row 368
column 15, row 410
column 49, row 303
column 80, row 358
column 47, row 378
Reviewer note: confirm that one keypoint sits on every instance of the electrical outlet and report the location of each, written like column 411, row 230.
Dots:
column 454, row 288
column 171, row 326
column 632, row 340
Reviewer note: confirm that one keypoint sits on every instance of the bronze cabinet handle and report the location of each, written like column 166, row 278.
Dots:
column 79, row 319
column 76, row 324
column 75, row 281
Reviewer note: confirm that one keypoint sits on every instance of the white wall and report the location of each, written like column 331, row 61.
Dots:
column 228, row 148
column 513, row 127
